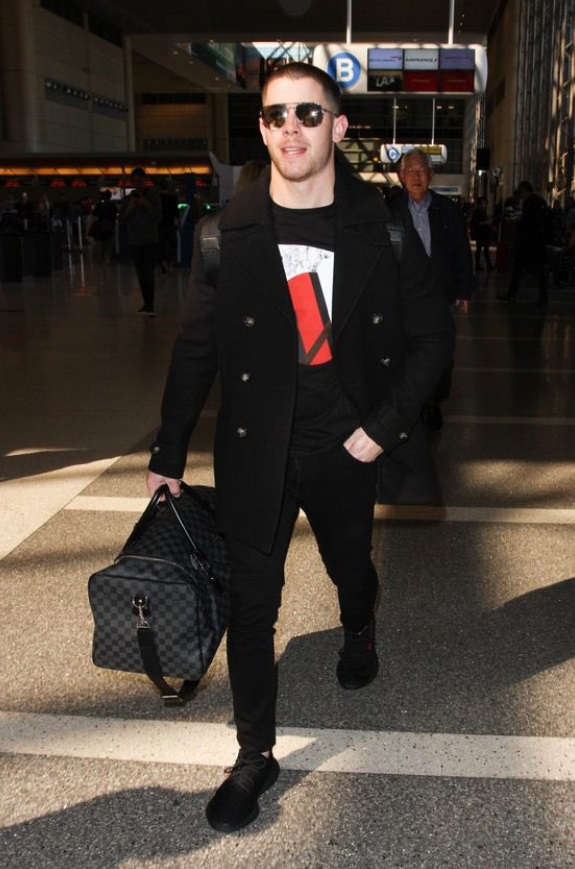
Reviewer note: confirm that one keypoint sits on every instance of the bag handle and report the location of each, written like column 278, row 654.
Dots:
column 197, row 556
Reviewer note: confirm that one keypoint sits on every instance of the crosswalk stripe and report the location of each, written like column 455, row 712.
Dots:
column 314, row 749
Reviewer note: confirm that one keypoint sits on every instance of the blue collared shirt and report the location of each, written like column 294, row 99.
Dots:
column 420, row 219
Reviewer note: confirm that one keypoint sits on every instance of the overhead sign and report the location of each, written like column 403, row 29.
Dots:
column 407, row 69
column 392, row 153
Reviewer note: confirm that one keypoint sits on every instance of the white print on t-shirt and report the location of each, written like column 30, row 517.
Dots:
column 302, row 259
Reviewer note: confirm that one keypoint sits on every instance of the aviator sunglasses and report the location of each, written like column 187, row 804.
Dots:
column 308, row 114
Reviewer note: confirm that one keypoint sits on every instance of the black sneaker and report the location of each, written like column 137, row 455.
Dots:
column 235, row 803
column 358, row 664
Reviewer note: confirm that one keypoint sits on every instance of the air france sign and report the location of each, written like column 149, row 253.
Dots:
column 388, row 69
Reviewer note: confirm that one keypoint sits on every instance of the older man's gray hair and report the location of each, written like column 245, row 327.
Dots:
column 418, row 154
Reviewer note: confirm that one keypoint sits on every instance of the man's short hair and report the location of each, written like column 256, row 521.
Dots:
column 419, row 154
column 139, row 170
column 297, row 70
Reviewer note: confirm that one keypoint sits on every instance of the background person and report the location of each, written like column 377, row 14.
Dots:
column 529, row 251
column 103, row 225
column 141, row 212
column 480, row 231
column 441, row 228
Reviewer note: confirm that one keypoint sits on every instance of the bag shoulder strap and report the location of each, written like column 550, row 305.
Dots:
column 396, row 229
column 209, row 228
column 151, row 661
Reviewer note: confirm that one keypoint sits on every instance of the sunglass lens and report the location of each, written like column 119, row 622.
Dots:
column 310, row 114
column 274, row 116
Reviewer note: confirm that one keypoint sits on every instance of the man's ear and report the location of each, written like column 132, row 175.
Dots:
column 340, row 126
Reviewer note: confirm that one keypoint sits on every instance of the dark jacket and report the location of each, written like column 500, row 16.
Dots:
column 480, row 225
column 531, row 232
column 450, row 248
column 391, row 343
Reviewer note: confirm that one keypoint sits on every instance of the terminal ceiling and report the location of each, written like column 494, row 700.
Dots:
column 324, row 20
column 156, row 26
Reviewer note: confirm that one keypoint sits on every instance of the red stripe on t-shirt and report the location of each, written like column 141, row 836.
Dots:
column 310, row 323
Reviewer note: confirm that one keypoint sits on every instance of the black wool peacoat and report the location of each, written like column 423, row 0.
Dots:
column 391, row 339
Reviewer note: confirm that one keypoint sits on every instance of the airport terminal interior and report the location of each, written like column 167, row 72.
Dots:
column 461, row 753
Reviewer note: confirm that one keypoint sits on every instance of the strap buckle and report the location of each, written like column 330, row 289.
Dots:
column 141, row 607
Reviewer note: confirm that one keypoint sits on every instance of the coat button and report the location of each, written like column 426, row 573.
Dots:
column 241, row 432
column 376, row 319
column 403, row 436
column 249, row 321
column 386, row 361
column 245, row 376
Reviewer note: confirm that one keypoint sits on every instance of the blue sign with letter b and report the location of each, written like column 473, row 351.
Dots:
column 345, row 68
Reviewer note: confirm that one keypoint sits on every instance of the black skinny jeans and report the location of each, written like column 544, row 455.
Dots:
column 337, row 493
column 144, row 257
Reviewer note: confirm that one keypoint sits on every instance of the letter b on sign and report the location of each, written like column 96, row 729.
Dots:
column 344, row 68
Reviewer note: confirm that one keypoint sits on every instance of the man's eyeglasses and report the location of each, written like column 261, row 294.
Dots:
column 308, row 114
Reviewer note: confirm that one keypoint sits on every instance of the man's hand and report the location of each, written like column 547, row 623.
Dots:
column 362, row 447
column 462, row 306
column 154, row 481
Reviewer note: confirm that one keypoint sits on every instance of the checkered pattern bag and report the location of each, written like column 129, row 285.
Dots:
column 162, row 607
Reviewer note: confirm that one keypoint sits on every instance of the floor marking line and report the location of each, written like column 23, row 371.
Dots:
column 399, row 512
column 313, row 750
column 504, row 515
column 108, row 504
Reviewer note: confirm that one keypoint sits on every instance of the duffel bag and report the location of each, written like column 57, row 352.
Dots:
column 162, row 607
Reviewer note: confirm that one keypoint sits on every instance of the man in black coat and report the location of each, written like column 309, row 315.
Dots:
column 326, row 352
column 441, row 228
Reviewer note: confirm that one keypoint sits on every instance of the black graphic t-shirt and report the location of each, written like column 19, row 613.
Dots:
column 324, row 416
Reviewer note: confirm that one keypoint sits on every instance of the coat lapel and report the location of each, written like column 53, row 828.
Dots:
column 247, row 222
column 360, row 239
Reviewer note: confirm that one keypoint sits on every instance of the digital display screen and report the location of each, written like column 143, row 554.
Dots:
column 384, row 58
column 416, row 82
column 393, row 69
column 390, row 81
column 457, row 58
column 421, row 58
column 456, row 82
